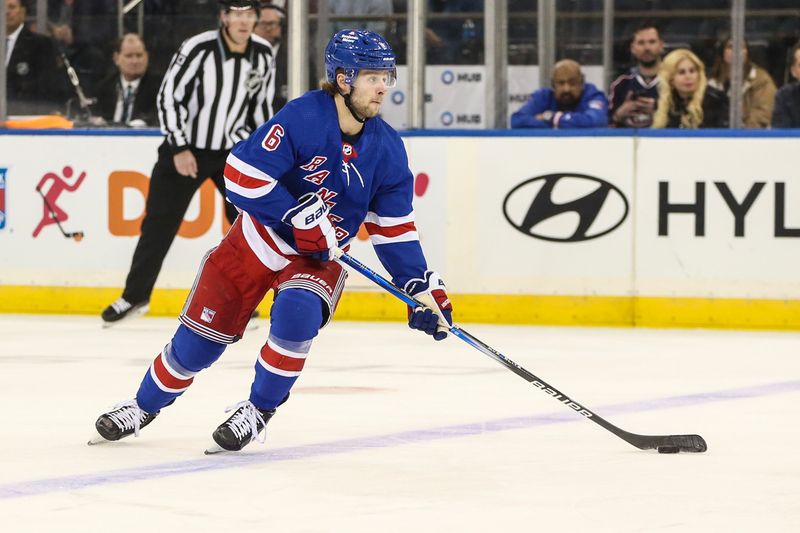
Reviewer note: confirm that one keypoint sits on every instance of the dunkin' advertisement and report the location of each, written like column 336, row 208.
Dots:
column 70, row 214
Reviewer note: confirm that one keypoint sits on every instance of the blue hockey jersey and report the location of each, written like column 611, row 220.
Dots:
column 301, row 150
column 591, row 111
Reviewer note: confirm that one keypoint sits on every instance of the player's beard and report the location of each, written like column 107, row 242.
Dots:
column 363, row 108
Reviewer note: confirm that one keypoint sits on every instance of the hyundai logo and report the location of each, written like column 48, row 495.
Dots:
column 447, row 118
column 398, row 97
column 448, row 77
column 565, row 207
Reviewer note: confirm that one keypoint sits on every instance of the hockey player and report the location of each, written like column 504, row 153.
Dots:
column 304, row 182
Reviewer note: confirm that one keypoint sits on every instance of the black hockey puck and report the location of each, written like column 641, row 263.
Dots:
column 668, row 449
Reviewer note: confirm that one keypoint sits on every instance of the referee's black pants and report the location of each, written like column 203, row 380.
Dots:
column 167, row 201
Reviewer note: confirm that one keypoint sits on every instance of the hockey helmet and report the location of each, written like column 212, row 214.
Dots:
column 239, row 5
column 355, row 50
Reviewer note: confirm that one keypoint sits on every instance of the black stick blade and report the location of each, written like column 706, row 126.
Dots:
column 684, row 443
column 689, row 443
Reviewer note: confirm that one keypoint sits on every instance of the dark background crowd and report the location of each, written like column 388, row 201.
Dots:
column 84, row 35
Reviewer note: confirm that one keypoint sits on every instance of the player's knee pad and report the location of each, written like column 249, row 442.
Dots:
column 296, row 315
column 193, row 352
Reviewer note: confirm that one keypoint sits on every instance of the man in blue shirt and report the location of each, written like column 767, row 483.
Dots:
column 570, row 103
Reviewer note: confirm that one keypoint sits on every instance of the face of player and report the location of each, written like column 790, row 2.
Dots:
column 567, row 87
column 239, row 24
column 15, row 15
column 132, row 58
column 269, row 25
column 647, row 47
column 687, row 78
column 370, row 88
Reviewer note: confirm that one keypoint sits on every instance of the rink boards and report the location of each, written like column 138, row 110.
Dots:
column 657, row 229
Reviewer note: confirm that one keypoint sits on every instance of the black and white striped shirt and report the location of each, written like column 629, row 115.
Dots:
column 211, row 98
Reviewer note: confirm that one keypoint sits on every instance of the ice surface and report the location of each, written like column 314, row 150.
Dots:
column 389, row 431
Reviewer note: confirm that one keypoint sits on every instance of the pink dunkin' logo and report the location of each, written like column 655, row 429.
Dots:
column 51, row 213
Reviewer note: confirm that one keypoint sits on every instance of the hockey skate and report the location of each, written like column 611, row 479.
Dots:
column 122, row 309
column 125, row 419
column 242, row 428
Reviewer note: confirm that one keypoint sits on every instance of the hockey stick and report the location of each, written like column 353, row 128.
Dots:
column 77, row 235
column 663, row 443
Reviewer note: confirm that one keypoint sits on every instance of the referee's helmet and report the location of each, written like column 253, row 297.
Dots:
column 239, row 5
column 355, row 50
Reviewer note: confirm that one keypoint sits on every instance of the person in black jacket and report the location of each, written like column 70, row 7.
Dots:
column 128, row 96
column 787, row 101
column 684, row 98
column 32, row 76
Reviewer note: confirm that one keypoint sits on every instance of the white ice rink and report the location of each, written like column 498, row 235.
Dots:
column 388, row 431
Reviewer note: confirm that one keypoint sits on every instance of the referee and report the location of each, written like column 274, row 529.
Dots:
column 218, row 89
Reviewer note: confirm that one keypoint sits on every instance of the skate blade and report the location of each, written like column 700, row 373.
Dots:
column 96, row 439
column 215, row 449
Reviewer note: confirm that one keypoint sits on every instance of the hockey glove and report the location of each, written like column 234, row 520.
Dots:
column 314, row 233
column 437, row 314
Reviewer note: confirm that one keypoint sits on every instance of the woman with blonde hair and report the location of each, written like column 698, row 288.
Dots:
column 684, row 98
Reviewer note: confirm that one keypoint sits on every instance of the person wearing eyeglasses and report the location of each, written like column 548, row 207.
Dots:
column 270, row 28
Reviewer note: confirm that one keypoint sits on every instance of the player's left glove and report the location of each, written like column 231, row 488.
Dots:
column 313, row 231
column 437, row 314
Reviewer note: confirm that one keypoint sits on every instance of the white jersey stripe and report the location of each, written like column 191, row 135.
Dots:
column 376, row 239
column 373, row 218
column 269, row 257
column 249, row 193
column 284, row 351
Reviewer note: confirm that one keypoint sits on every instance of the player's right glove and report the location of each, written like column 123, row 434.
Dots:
column 437, row 314
column 313, row 231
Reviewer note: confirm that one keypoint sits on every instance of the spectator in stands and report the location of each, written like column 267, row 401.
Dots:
column 360, row 8
column 88, row 62
column 270, row 27
column 633, row 96
column 684, row 98
column 787, row 101
column 128, row 96
column 570, row 103
column 456, row 40
column 758, row 89
column 31, row 67
column 453, row 35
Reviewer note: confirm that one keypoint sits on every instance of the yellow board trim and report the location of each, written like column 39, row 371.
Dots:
column 481, row 308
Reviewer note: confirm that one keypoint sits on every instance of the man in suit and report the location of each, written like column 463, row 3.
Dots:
column 128, row 96
column 33, row 80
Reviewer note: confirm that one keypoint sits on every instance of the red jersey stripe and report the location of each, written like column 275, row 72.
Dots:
column 242, row 179
column 280, row 361
column 389, row 231
column 166, row 378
